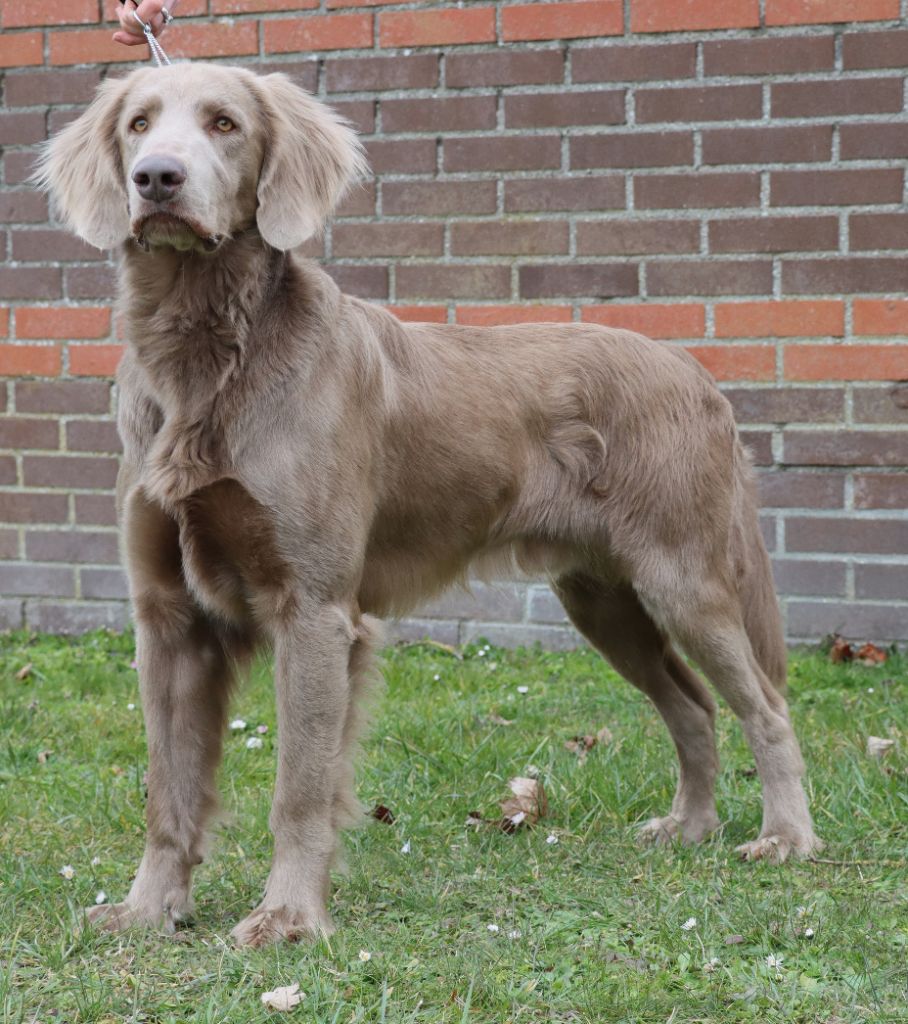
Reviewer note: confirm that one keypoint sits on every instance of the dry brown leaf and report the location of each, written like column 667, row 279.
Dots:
column 734, row 940
column 878, row 747
column 284, row 998
column 526, row 806
column 498, row 720
column 383, row 814
column 870, row 655
column 841, row 650
column 24, row 672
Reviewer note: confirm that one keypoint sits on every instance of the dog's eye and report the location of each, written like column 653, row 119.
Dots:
column 138, row 124
column 224, row 124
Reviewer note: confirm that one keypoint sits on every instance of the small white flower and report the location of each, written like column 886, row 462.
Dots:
column 406, row 847
column 809, row 933
column 238, row 724
column 523, row 689
column 493, row 928
column 870, row 689
column 130, row 707
column 711, row 965
column 532, row 771
column 551, row 840
column 689, row 924
column 436, row 677
column 95, row 861
column 101, row 897
column 365, row 955
column 775, row 961
column 68, row 871
column 514, row 933
column 254, row 743
column 480, row 654
column 261, row 729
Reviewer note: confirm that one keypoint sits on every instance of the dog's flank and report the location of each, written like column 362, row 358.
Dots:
column 297, row 460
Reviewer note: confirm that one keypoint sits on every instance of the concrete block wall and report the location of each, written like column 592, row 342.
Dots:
column 728, row 176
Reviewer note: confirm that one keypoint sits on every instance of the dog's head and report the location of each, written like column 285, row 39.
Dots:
column 187, row 155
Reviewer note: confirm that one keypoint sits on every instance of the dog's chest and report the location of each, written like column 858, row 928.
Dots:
column 231, row 558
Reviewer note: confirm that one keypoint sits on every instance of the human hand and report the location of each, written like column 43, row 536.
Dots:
column 131, row 32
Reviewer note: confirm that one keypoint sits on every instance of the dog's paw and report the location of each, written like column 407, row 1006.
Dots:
column 117, row 917
column 663, row 831
column 776, row 849
column 266, row 925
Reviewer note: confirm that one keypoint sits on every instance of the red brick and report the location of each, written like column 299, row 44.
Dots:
column 21, row 49
column 25, row 13
column 9, row 544
column 839, row 96
column 693, row 15
column 420, row 314
column 888, row 582
column 98, row 282
column 857, row 621
column 369, row 3
column 17, row 169
column 505, row 67
column 303, row 72
column 490, row 316
column 93, row 436
column 793, row 489
column 502, row 153
column 709, row 277
column 570, row 20
column 20, row 207
column 453, row 281
column 699, row 103
column 438, row 198
column 454, row 114
column 22, row 432
column 617, row 237
column 812, row 12
column 387, row 239
column 880, row 316
column 359, row 201
column 79, row 471
column 835, row 187
column 71, row 546
column 319, row 32
column 737, row 362
column 802, row 577
column 780, row 319
column 636, row 148
column 846, row 447
column 696, row 190
column 884, row 49
column 523, row 238
column 770, row 56
column 22, row 127
column 7, row 470
column 877, row 141
column 32, row 507
column 846, row 362
column 841, row 275
column 214, row 40
column 787, row 404
column 787, row 145
column 553, row 109
column 366, row 282
column 602, row 192
column 773, row 234
column 259, row 6
column 74, row 618
column 103, row 583
column 886, row 405
column 4, row 324
column 94, row 360
column 39, row 244
column 409, row 156
column 582, row 280
column 881, row 490
column 679, row 320
column 62, row 322
column 759, row 444
column 878, row 231
column 36, row 580
column 448, row 26
column 29, row 360
column 95, row 509
column 63, row 396
column 634, row 63
column 358, row 74
column 187, row 9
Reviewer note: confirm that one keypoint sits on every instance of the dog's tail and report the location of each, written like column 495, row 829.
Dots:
column 756, row 590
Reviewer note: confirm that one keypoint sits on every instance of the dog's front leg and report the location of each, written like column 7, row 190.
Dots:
column 312, row 657
column 184, row 675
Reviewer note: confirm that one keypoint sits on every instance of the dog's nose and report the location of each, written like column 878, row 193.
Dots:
column 159, row 177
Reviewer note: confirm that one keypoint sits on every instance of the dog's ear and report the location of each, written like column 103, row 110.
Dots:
column 312, row 156
column 81, row 169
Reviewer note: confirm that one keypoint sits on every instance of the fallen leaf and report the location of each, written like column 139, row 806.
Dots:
column 24, row 672
column 498, row 720
column 43, row 755
column 734, row 940
column 870, row 655
column 878, row 747
column 284, row 998
column 841, row 650
column 526, row 806
column 383, row 814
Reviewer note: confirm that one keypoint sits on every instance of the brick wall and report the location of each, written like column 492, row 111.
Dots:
column 729, row 176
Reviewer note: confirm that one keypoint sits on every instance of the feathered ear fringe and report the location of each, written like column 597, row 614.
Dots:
column 312, row 158
column 81, row 169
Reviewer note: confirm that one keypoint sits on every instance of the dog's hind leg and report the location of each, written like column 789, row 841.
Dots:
column 616, row 624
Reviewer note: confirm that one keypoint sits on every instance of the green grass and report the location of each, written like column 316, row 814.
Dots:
column 599, row 918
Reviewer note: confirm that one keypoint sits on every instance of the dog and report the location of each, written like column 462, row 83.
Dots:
column 299, row 463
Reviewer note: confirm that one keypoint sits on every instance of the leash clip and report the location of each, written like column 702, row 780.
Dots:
column 157, row 51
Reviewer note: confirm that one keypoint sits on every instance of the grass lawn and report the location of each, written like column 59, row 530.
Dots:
column 567, row 921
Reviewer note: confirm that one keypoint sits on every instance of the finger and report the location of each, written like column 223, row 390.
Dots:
column 128, row 38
